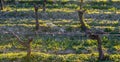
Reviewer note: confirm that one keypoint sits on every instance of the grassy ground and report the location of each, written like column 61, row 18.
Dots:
column 59, row 47
column 42, row 57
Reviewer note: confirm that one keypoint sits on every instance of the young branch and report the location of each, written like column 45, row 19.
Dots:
column 25, row 44
column 18, row 38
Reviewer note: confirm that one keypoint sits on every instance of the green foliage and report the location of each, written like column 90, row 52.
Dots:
column 42, row 57
column 108, row 29
column 90, row 43
column 49, row 48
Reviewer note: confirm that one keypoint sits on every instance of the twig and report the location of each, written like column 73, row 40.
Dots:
column 25, row 44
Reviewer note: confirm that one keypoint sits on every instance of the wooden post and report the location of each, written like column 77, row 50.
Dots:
column 36, row 17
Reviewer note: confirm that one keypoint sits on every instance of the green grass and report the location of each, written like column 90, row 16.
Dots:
column 60, row 44
column 42, row 57
column 59, row 47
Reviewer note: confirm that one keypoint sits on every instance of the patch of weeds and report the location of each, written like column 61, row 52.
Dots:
column 108, row 29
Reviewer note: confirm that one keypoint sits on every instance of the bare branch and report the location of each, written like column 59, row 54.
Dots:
column 18, row 38
column 25, row 44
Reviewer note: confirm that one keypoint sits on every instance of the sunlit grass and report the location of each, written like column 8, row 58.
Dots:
column 48, row 48
column 67, row 10
column 5, row 46
column 42, row 57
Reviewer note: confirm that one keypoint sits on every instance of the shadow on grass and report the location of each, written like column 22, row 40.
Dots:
column 26, row 16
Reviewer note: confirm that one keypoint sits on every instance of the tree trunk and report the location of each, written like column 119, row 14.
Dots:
column 1, row 4
column 44, row 5
column 81, row 4
column 101, row 54
column 81, row 18
column 29, row 47
column 97, row 37
column 89, row 33
column 92, row 36
column 36, row 17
